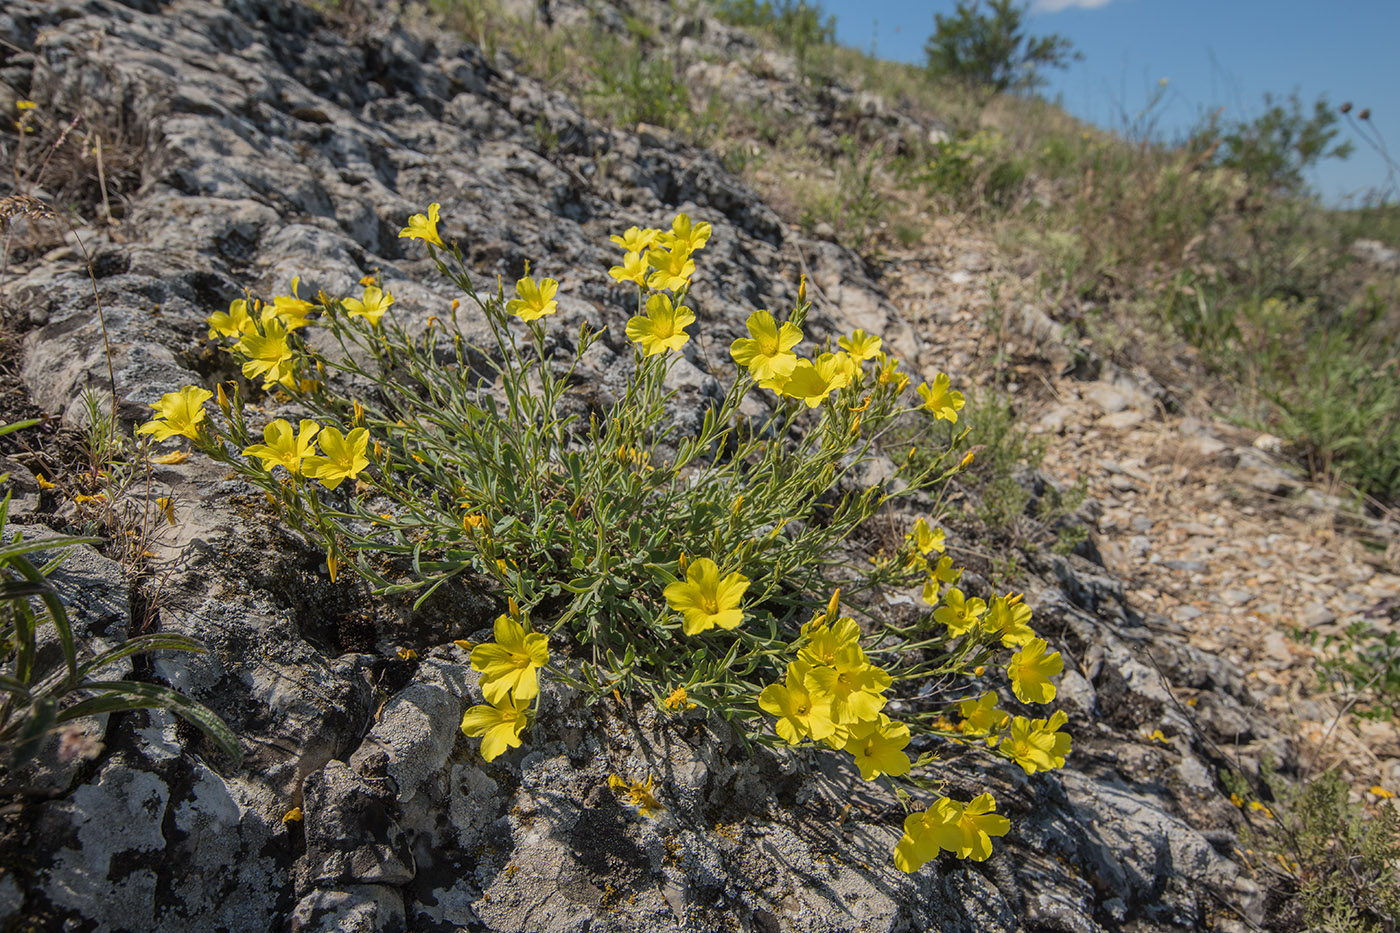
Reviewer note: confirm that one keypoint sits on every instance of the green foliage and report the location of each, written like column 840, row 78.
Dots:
column 990, row 47
column 853, row 205
column 975, row 170
column 634, row 86
column 1274, row 149
column 1005, row 456
column 46, row 680
column 1341, row 864
column 797, row 24
column 1362, row 663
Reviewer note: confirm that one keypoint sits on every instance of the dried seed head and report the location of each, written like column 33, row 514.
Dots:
column 1365, row 113
column 1346, row 108
column 22, row 205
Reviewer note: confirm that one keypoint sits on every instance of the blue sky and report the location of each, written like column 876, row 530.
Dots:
column 1213, row 53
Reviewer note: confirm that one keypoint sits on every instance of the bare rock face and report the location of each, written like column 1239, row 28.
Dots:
column 276, row 142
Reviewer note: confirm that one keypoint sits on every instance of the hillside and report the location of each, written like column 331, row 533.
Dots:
column 1190, row 559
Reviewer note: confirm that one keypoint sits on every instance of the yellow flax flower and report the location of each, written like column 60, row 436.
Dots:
column 234, row 323
column 1011, row 620
column 706, row 600
column 638, row 793
column 633, row 268
column 672, row 268
column 178, row 414
column 1037, row 744
column 854, row 685
column 424, row 228
column 939, row 399
column 800, row 715
column 371, row 305
column 685, row 235
column 813, row 381
column 291, row 310
column 678, row 700
column 344, row 457
column 283, row 447
column 922, row 832
column 860, row 345
column 959, row 613
column 981, row 716
column 663, row 327
column 511, row 663
column 637, row 240
column 498, row 725
column 533, row 301
column 268, row 354
column 929, row 539
column 1031, row 669
column 969, row 834
column 767, row 351
column 824, row 642
column 166, row 506
column 878, row 748
column 173, row 458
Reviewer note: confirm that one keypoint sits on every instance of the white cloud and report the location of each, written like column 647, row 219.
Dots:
column 1055, row 6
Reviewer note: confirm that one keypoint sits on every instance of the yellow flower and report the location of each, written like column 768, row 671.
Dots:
column 928, row 539
column 172, row 458
column 235, row 323
column 663, row 327
column 511, row 663
column 878, row 748
column 889, row 374
column 344, row 457
column 673, row 269
column 922, row 832
column 824, row 642
column 1031, row 669
column 860, row 345
column 969, row 834
column 945, row 572
column 406, row 654
column 178, row 413
column 853, row 684
column 800, row 715
column 637, row 240
column 166, row 506
column 1037, row 744
column 291, row 309
column 940, row 400
column 958, row 613
column 498, row 725
column 633, row 268
column 1011, row 619
column 268, row 354
column 294, row 815
column 25, row 105
column 424, row 228
column 43, row 482
column 371, row 306
column 685, row 236
column 283, row 448
column 533, row 301
column 639, row 794
column 678, row 699
column 767, row 351
column 981, row 716
column 705, row 600
column 1381, row 792
column 813, row 380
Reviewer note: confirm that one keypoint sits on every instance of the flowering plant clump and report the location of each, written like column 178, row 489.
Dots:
column 707, row 570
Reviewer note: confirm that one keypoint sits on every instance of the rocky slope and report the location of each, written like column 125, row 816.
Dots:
column 274, row 142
